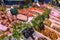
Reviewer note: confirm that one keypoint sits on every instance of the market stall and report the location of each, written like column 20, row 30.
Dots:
column 30, row 23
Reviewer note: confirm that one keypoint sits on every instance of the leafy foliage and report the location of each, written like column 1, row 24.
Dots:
column 16, row 31
column 46, row 13
column 35, row 22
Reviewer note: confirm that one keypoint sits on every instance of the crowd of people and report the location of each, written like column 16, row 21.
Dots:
column 27, row 2
column 36, row 2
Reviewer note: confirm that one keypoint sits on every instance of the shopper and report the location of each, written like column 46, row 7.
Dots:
column 57, row 3
column 28, row 3
column 36, row 3
column 47, row 1
column 21, row 3
column 41, row 1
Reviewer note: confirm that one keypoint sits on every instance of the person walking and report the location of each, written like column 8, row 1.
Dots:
column 36, row 3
